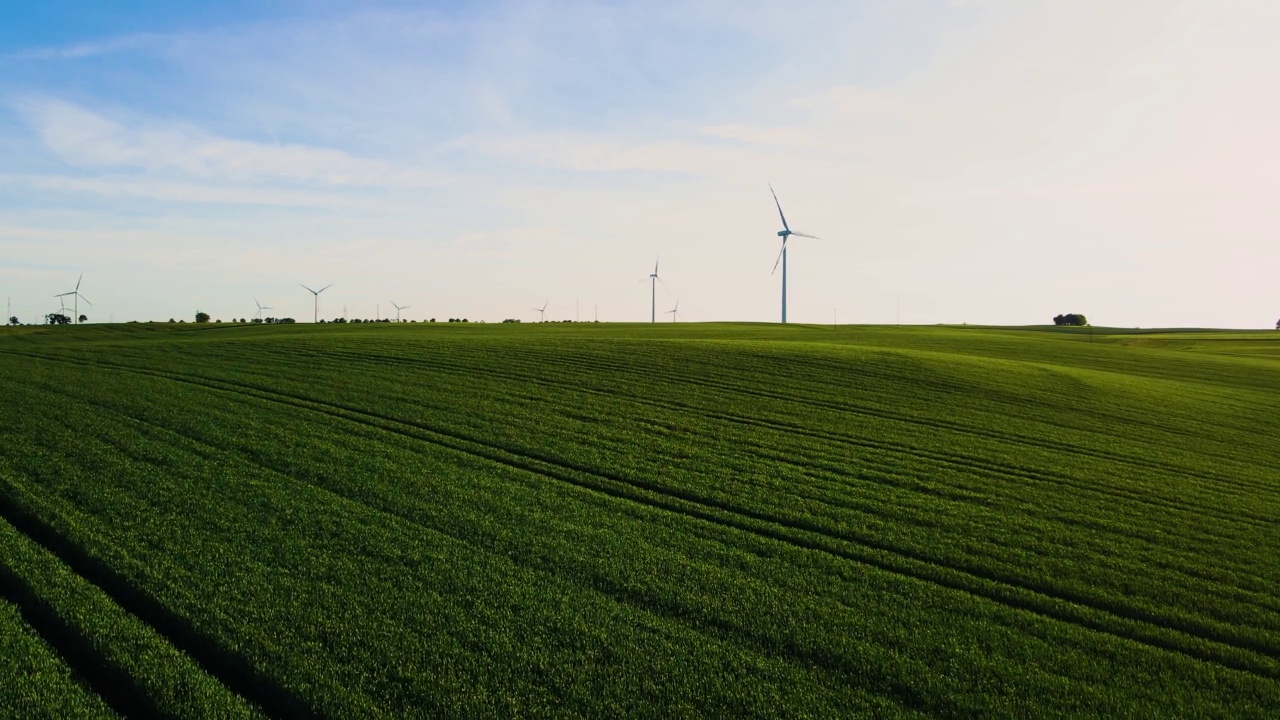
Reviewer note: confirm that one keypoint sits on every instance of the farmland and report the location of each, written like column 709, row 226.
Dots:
column 603, row 520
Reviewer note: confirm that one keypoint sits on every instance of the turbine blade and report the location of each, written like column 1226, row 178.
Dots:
column 775, row 262
column 85, row 299
column 326, row 287
column 663, row 284
column 775, row 202
column 313, row 292
column 78, row 281
column 655, row 266
column 800, row 234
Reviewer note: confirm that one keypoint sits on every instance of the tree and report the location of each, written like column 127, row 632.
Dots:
column 1071, row 319
column 83, row 319
column 13, row 320
column 202, row 317
column 57, row 319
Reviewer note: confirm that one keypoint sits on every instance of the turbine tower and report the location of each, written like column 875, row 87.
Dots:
column 261, row 307
column 315, row 308
column 675, row 311
column 542, row 311
column 398, row 309
column 784, row 233
column 77, row 298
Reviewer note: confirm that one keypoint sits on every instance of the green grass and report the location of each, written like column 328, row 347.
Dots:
column 36, row 683
column 727, row 520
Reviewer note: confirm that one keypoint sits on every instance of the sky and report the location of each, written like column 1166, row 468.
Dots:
column 962, row 161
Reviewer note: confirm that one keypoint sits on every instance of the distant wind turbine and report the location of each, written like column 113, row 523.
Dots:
column 784, row 233
column 653, row 292
column 542, row 311
column 675, row 311
column 315, row 309
column 261, row 307
column 398, row 309
column 77, row 297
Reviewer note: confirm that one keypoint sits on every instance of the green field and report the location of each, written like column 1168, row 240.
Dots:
column 616, row 520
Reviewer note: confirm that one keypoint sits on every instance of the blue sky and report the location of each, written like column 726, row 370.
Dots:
column 975, row 161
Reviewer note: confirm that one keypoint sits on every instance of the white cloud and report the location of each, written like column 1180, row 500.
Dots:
column 85, row 139
column 80, row 51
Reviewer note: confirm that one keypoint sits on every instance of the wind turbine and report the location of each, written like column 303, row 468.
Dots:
column 784, row 233
column 675, row 311
column 315, row 309
column 398, row 309
column 261, row 307
column 78, row 297
column 653, row 292
column 542, row 311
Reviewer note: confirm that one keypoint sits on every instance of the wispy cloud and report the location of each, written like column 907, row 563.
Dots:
column 82, row 138
column 182, row 192
column 84, row 50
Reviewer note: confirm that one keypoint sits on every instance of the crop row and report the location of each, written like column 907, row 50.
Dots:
column 126, row 662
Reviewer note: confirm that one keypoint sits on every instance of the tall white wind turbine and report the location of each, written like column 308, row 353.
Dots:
column 315, row 308
column 542, row 311
column 77, row 298
column 653, row 292
column 784, row 233
column 675, row 311
column 398, row 309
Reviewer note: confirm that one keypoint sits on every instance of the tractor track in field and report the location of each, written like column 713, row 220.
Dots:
column 669, row 609
column 120, row 691
column 91, row 668
column 730, row 388
column 951, row 459
column 1244, row 597
column 884, row 414
column 910, row 451
column 1119, row 621
column 997, row 469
